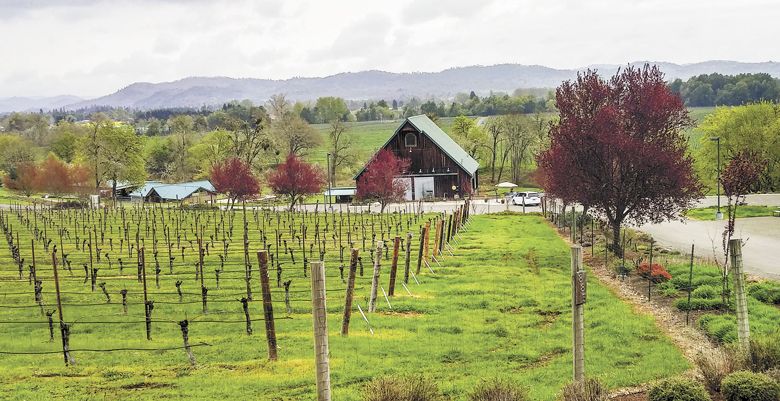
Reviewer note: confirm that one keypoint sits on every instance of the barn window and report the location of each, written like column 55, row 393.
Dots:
column 410, row 140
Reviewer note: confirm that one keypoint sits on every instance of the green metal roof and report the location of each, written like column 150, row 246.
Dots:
column 429, row 128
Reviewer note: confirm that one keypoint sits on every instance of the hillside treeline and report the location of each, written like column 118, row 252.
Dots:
column 709, row 90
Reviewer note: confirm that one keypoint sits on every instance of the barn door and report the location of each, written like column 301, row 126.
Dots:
column 423, row 187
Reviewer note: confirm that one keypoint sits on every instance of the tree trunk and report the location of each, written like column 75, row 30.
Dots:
column 616, row 246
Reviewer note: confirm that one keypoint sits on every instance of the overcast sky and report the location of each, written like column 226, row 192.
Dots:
column 94, row 47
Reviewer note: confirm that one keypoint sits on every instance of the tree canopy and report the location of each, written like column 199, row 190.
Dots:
column 618, row 148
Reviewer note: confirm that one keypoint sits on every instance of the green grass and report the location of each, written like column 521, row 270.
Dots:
column 499, row 308
column 708, row 213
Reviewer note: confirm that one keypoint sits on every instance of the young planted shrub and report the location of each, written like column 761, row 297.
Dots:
column 498, row 390
column 590, row 390
column 766, row 292
column 706, row 292
column 678, row 389
column 699, row 303
column 656, row 272
column 750, row 386
column 403, row 388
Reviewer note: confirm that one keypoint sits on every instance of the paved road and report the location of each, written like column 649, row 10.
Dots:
column 761, row 236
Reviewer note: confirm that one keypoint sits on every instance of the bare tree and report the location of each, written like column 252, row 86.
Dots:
column 342, row 151
column 290, row 131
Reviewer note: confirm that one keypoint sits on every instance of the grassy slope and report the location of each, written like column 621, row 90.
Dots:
column 708, row 213
column 486, row 313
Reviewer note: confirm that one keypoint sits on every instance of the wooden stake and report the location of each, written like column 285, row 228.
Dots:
column 743, row 323
column 408, row 257
column 268, row 309
column 350, row 292
column 320, row 318
column 375, row 279
column 578, row 321
column 394, row 266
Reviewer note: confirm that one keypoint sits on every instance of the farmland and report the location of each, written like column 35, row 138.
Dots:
column 500, row 307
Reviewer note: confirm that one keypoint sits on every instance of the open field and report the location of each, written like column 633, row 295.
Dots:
column 499, row 308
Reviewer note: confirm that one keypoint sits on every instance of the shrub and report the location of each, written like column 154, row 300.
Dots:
column 766, row 292
column 403, row 388
column 706, row 292
column 656, row 272
column 678, row 389
column 698, row 304
column 590, row 390
column 750, row 386
column 714, row 366
column 498, row 390
column 667, row 289
column 764, row 353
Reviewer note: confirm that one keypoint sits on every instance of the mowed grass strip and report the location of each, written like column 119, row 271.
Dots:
column 499, row 308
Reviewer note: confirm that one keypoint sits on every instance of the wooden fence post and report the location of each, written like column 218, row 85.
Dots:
column 578, row 283
column 375, row 279
column 743, row 324
column 148, row 305
column 394, row 266
column 350, row 292
column 320, row 318
column 408, row 257
column 268, row 309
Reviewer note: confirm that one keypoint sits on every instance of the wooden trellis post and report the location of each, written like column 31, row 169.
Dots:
column 320, row 318
column 408, row 257
column 743, row 323
column 394, row 265
column 578, row 289
column 268, row 309
column 350, row 292
column 375, row 279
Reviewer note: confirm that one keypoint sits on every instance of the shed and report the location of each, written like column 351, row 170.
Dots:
column 341, row 194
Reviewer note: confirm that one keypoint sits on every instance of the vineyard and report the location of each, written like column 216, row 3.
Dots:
column 169, row 303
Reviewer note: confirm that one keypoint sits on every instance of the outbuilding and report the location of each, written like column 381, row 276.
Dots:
column 439, row 167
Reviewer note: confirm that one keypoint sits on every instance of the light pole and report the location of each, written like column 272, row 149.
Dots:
column 329, row 179
column 718, row 214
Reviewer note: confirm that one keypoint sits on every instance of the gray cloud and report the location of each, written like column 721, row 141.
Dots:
column 93, row 47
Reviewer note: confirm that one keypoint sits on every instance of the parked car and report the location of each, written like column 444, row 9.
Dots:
column 527, row 198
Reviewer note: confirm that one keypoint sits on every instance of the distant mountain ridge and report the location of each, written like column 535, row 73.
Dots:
column 372, row 84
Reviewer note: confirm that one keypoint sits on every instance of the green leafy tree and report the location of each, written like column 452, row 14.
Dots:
column 114, row 152
column 332, row 108
column 753, row 129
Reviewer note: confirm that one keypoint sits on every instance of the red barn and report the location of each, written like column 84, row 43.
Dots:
column 439, row 167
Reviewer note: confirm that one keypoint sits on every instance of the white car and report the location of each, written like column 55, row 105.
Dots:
column 527, row 198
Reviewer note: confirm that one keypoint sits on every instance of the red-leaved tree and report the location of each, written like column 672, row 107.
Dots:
column 618, row 148
column 23, row 178
column 295, row 178
column 379, row 182
column 53, row 176
column 234, row 177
